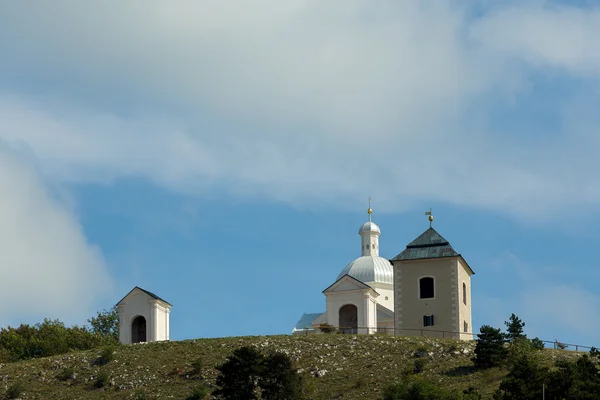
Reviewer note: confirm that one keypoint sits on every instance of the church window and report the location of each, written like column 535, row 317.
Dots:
column 373, row 246
column 427, row 320
column 464, row 293
column 426, row 289
column 465, row 326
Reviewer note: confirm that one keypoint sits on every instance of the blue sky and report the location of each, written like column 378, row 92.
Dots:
column 221, row 154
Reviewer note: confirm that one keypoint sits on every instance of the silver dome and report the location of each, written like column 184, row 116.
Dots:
column 369, row 227
column 370, row 269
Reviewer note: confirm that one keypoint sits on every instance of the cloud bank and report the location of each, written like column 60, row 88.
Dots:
column 47, row 267
column 307, row 100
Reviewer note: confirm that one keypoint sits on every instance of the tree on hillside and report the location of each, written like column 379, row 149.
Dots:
column 489, row 350
column 279, row 380
column 106, row 323
column 240, row 374
column 514, row 328
column 248, row 374
column 524, row 381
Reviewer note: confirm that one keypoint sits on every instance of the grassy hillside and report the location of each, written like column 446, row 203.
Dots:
column 333, row 367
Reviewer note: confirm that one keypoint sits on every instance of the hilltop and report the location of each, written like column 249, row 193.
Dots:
column 333, row 367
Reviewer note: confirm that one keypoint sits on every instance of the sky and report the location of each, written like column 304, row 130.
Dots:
column 220, row 154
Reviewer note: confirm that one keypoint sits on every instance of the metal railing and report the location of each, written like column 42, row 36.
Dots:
column 425, row 332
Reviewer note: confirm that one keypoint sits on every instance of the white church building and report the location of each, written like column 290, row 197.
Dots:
column 423, row 291
column 143, row 317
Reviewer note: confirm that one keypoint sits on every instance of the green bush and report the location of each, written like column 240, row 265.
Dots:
column 48, row 338
column 102, row 379
column 537, row 344
column 199, row 393
column 417, row 390
column 107, row 354
column 15, row 390
column 419, row 365
column 65, row 374
column 197, row 366
column 326, row 328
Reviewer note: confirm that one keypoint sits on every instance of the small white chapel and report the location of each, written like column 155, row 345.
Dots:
column 425, row 290
column 143, row 317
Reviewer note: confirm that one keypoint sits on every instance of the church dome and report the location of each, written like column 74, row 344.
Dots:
column 370, row 269
column 369, row 227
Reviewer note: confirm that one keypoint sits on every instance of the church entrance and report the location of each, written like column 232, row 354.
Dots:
column 349, row 319
column 138, row 330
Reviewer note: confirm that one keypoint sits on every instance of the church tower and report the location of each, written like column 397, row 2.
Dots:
column 432, row 289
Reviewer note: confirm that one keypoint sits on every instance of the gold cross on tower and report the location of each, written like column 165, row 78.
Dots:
column 430, row 216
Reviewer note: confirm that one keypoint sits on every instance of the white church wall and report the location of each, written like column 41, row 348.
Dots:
column 386, row 293
column 363, row 300
column 464, row 276
column 162, row 322
column 135, row 305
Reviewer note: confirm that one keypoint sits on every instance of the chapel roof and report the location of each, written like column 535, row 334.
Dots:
column 148, row 293
column 430, row 244
column 305, row 321
column 369, row 269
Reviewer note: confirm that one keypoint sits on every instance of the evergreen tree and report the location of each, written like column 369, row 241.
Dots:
column 279, row 380
column 514, row 328
column 524, row 381
column 248, row 373
column 240, row 374
column 489, row 350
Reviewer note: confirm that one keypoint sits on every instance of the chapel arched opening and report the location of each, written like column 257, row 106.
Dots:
column 349, row 319
column 138, row 330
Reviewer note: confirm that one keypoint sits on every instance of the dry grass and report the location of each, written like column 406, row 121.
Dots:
column 332, row 366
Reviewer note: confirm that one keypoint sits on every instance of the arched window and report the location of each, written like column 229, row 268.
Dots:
column 464, row 293
column 426, row 288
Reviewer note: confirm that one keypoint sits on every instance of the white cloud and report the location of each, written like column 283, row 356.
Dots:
column 302, row 100
column 47, row 267
column 552, row 300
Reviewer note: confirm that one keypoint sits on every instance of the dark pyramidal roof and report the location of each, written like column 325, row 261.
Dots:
column 429, row 244
column 148, row 293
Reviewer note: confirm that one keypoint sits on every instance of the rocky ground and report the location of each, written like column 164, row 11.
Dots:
column 332, row 366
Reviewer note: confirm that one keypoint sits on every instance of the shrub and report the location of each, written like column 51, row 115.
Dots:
column 15, row 390
column 140, row 395
column 102, row 380
column 199, row 393
column 326, row 328
column 197, row 365
column 537, row 344
column 48, row 338
column 107, row 354
column 65, row 374
column 471, row 394
column 419, row 365
column 417, row 390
